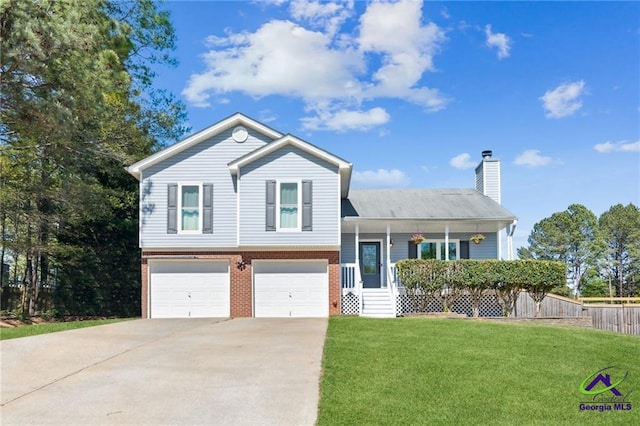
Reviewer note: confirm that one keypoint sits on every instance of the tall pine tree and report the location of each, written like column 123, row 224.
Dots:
column 76, row 106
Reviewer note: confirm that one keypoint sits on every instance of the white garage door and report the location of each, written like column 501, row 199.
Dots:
column 291, row 288
column 189, row 288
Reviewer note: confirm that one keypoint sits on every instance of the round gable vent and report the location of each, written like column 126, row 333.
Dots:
column 240, row 134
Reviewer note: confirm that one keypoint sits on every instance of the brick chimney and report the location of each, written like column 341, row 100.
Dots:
column 488, row 176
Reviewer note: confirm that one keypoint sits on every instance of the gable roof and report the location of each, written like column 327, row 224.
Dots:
column 344, row 167
column 434, row 204
column 225, row 124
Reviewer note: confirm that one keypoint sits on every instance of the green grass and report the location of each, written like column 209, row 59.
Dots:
column 51, row 327
column 413, row 371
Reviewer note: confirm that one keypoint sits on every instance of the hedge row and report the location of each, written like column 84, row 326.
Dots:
column 428, row 279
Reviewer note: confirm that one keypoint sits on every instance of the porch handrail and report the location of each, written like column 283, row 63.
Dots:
column 394, row 275
column 358, row 287
column 391, row 285
column 351, row 280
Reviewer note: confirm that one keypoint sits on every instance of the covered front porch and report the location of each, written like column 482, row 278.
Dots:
column 370, row 249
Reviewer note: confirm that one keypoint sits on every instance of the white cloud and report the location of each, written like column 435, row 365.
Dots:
column 346, row 119
column 621, row 146
column 531, row 158
column 275, row 60
column 332, row 72
column 498, row 40
column 564, row 100
column 462, row 161
column 328, row 16
column 395, row 31
column 274, row 2
column 381, row 178
column 267, row 116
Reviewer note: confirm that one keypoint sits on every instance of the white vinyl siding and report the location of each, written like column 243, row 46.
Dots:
column 290, row 164
column 205, row 162
column 488, row 179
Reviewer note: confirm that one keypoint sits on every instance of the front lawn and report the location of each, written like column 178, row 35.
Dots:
column 51, row 327
column 410, row 371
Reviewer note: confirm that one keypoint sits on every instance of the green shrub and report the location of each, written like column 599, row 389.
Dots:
column 428, row 279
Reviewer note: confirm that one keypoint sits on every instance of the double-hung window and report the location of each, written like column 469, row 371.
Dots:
column 288, row 206
column 190, row 208
column 436, row 249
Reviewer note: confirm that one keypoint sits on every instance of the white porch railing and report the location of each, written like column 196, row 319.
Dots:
column 394, row 275
column 351, row 281
column 392, row 285
column 348, row 277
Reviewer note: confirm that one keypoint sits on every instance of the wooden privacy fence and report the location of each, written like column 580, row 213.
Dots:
column 619, row 316
column 552, row 306
column 623, row 318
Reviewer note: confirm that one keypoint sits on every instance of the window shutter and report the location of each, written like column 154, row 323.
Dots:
column 413, row 250
column 307, row 205
column 207, row 208
column 464, row 249
column 172, row 208
column 271, row 205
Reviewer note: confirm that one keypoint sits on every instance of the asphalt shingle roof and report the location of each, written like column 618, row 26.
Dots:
column 422, row 204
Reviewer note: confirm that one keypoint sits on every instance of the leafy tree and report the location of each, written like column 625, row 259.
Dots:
column 540, row 277
column 620, row 227
column 572, row 237
column 476, row 277
column 594, row 285
column 423, row 279
column 76, row 106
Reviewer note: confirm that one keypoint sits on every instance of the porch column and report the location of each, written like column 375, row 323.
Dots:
column 357, row 250
column 446, row 242
column 510, row 231
column 386, row 269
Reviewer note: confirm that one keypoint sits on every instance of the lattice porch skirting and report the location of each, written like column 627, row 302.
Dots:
column 489, row 306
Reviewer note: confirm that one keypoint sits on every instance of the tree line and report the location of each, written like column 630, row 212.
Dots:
column 77, row 105
column 601, row 254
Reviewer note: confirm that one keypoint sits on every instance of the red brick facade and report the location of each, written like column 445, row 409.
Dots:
column 241, row 278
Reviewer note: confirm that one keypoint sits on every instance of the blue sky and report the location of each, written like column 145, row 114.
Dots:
column 411, row 93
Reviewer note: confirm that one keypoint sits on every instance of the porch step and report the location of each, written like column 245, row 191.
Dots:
column 377, row 303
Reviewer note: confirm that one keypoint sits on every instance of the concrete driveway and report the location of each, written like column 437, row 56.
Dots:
column 193, row 371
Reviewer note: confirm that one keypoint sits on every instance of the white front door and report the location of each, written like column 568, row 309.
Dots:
column 294, row 288
column 189, row 288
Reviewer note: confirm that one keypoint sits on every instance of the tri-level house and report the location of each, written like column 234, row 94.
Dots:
column 240, row 220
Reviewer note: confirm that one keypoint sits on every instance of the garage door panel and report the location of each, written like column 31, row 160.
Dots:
column 188, row 289
column 291, row 289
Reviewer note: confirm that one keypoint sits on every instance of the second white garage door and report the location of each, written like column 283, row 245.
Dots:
column 189, row 288
column 291, row 288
